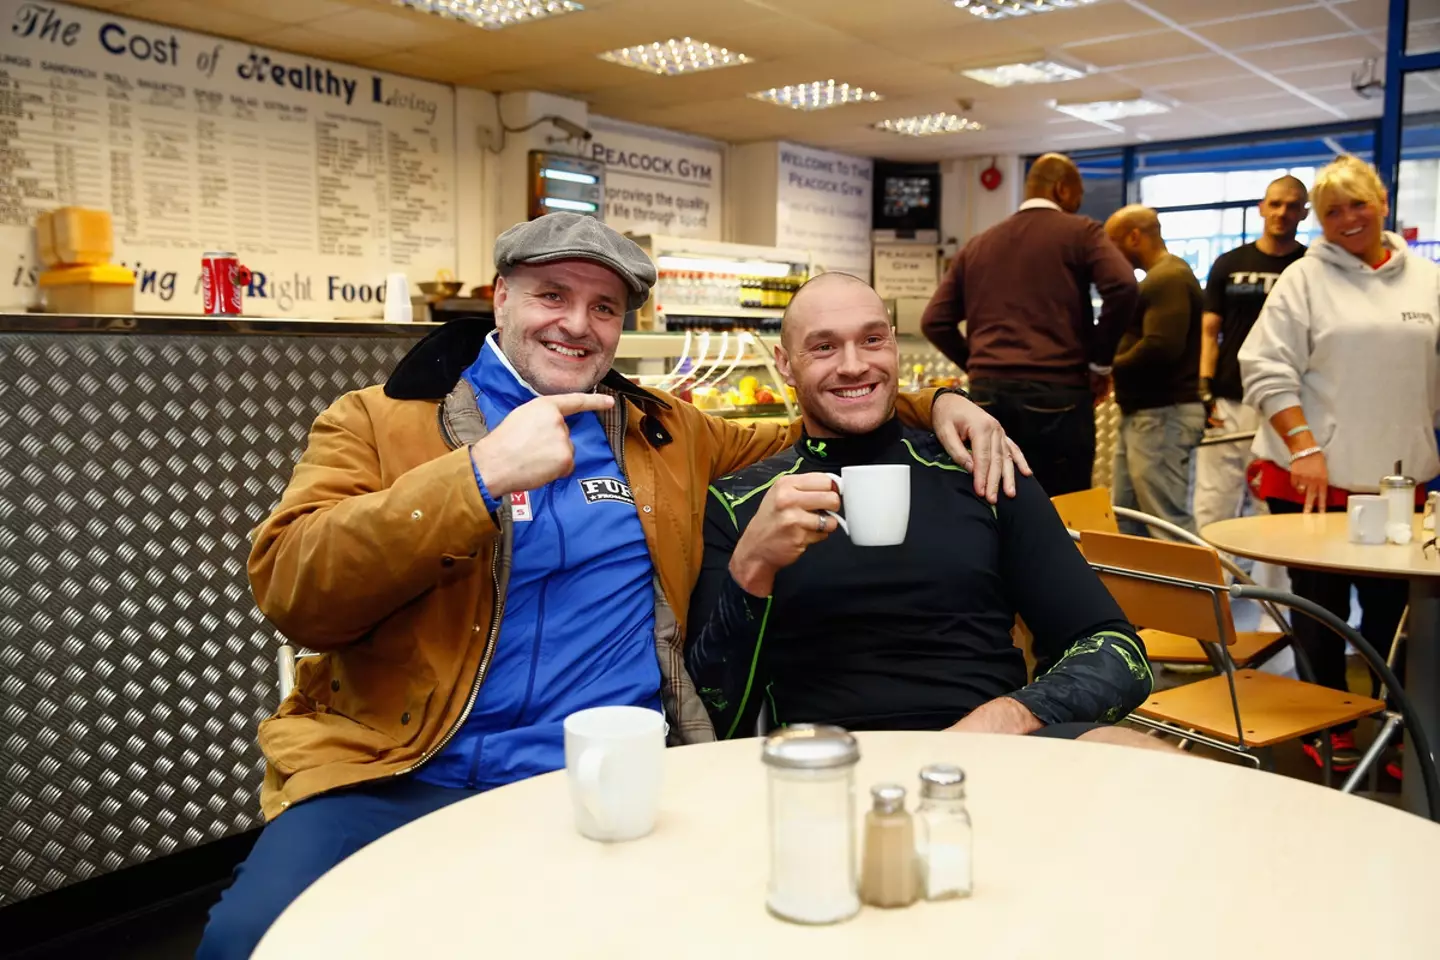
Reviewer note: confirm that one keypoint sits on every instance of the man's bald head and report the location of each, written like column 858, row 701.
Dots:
column 822, row 291
column 1055, row 177
column 1135, row 230
column 837, row 349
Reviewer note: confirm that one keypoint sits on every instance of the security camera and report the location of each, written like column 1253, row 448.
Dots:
column 1366, row 81
column 571, row 129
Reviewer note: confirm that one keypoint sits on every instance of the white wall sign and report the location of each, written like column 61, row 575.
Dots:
column 823, row 205
column 906, row 270
column 657, row 181
column 321, row 177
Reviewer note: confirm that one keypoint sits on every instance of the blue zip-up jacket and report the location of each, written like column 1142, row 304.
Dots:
column 579, row 623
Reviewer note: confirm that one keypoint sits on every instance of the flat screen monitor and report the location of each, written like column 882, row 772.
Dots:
column 907, row 196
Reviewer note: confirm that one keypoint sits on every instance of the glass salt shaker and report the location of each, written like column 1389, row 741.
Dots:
column 943, row 835
column 812, row 823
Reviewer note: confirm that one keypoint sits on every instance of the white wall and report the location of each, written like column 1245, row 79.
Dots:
column 752, row 179
column 966, row 207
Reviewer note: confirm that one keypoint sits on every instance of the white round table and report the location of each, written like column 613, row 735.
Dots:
column 1321, row 541
column 1081, row 850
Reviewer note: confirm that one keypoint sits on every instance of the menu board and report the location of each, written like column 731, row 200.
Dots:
column 322, row 178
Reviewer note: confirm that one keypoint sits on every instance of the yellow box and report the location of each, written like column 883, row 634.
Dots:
column 104, row 289
column 74, row 236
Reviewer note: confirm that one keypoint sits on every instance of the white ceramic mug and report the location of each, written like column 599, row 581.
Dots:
column 614, row 758
column 876, row 500
column 1367, row 514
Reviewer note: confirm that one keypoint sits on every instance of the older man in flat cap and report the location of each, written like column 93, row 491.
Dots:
column 503, row 534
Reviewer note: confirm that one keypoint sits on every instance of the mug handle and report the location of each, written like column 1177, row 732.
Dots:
column 839, row 488
column 588, row 773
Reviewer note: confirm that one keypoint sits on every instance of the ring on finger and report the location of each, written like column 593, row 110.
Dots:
column 820, row 517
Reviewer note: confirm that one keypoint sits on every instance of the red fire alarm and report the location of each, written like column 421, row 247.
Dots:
column 991, row 177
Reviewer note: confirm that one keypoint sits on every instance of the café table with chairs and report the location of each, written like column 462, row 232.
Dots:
column 1321, row 542
column 1081, row 850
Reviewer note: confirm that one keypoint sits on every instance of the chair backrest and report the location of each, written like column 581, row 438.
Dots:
column 1087, row 510
column 1197, row 606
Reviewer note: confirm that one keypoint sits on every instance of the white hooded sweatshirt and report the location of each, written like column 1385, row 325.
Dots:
column 1356, row 348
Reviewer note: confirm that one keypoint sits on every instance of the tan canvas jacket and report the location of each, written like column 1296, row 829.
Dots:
column 381, row 556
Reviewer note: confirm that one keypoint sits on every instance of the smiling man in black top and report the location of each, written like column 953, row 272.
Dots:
column 915, row 636
column 1239, row 283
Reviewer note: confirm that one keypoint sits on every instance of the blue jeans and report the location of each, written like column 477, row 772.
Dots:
column 304, row 842
column 1152, row 464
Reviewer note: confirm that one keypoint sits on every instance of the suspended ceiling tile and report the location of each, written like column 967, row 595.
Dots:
column 282, row 11
column 1365, row 14
column 1285, row 27
column 397, row 30
column 1160, row 45
column 1308, row 54
column 412, row 65
column 312, row 43
column 1224, row 89
column 1192, row 12
column 193, row 16
column 1188, row 70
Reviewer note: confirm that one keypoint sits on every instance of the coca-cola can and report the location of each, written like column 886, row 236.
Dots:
column 222, row 279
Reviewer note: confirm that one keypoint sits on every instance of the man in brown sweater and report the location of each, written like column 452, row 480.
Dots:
column 1157, row 377
column 1037, row 359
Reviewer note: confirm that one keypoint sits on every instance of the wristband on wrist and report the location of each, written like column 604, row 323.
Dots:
column 1307, row 452
column 955, row 390
column 1296, row 431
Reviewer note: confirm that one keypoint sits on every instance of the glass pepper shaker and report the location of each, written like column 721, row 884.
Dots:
column 812, row 823
column 888, row 876
column 943, row 834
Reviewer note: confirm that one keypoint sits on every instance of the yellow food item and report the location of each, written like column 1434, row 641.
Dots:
column 74, row 236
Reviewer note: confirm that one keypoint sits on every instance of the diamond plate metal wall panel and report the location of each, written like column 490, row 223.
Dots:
column 134, row 665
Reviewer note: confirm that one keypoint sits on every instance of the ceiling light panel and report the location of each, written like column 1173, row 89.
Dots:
column 1002, row 9
column 1012, row 74
column 929, row 125
column 493, row 14
column 820, row 95
column 1106, row 111
column 670, row 58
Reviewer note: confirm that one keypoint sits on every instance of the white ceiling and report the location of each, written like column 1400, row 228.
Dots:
column 1225, row 65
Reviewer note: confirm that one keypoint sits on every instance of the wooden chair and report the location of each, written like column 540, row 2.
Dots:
column 1091, row 510
column 1181, row 589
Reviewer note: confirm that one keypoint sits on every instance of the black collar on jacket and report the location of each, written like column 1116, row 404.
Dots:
column 430, row 370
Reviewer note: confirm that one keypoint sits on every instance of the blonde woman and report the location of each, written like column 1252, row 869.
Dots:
column 1342, row 366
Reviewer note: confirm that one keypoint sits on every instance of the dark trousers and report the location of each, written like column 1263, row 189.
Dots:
column 304, row 842
column 1053, row 424
column 1382, row 603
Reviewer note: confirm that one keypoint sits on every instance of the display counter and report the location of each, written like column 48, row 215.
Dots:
column 136, row 454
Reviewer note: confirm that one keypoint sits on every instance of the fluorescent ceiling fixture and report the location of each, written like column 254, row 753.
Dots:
column 1001, row 9
column 567, row 176
column 820, row 95
column 929, row 125
column 748, row 268
column 670, row 58
column 1107, row 111
column 579, row 206
column 1010, row 74
column 493, row 14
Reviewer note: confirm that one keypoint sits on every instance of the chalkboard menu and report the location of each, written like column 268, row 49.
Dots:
column 322, row 177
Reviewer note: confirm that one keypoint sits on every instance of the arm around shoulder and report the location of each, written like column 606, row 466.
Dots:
column 342, row 551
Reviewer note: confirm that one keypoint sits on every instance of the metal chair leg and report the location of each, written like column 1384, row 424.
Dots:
column 1382, row 740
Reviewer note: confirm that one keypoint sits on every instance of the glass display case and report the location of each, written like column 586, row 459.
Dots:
column 702, row 281
column 726, row 368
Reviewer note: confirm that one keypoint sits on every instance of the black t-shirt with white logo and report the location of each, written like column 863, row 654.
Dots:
column 1239, row 282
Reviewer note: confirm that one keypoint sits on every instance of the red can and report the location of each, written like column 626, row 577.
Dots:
column 222, row 278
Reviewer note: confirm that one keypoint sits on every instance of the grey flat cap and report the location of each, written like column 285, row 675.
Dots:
column 574, row 236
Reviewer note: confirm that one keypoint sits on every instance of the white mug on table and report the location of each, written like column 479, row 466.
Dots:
column 876, row 501
column 614, row 758
column 1366, row 516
